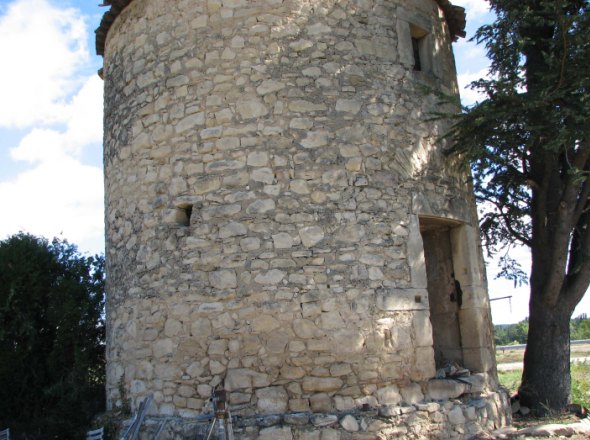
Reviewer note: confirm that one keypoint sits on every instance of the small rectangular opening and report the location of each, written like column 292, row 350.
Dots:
column 183, row 215
column 416, row 50
column 419, row 47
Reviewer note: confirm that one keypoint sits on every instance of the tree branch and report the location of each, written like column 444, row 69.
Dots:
column 578, row 277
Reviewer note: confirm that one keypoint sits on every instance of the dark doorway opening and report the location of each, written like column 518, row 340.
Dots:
column 443, row 295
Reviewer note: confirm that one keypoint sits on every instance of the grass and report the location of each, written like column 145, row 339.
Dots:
column 510, row 380
column 580, row 382
column 516, row 355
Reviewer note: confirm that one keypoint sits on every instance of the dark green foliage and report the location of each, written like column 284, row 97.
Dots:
column 51, row 338
column 529, row 138
column 580, row 327
column 511, row 334
column 528, row 144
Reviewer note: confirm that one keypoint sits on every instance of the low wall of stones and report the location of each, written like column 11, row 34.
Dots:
column 469, row 417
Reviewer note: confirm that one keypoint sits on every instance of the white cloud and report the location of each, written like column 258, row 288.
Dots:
column 83, row 127
column 42, row 47
column 474, row 8
column 44, row 91
column 468, row 95
column 469, row 51
column 61, row 197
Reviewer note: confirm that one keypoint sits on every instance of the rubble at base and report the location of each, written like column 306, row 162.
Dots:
column 463, row 418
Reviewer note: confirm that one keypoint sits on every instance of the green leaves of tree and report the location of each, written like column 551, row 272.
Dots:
column 527, row 142
column 528, row 146
column 51, row 337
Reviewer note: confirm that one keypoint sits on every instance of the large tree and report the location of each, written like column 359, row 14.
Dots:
column 51, row 338
column 528, row 145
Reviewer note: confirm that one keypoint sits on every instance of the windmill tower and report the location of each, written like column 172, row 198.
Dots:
column 281, row 221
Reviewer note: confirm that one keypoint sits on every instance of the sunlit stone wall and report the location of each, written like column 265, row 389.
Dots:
column 266, row 163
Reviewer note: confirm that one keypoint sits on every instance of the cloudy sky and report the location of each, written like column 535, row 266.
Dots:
column 51, row 126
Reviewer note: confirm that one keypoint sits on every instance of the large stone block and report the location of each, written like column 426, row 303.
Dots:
column 276, row 433
column 424, row 368
column 444, row 389
column 223, row 279
column 402, row 299
column 422, row 329
column 318, row 384
column 475, row 328
column 272, row 400
column 311, row 235
column 251, row 108
column 389, row 395
column 412, row 393
column 244, row 378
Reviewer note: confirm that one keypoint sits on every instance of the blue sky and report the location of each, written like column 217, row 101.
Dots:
column 51, row 121
column 51, row 126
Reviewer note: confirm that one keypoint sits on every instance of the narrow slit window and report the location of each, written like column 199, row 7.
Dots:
column 419, row 47
column 416, row 50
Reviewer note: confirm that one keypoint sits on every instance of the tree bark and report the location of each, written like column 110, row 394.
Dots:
column 546, row 383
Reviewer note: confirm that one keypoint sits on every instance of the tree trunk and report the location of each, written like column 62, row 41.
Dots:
column 546, row 383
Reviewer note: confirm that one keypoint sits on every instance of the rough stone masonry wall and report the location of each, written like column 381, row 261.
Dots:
column 266, row 162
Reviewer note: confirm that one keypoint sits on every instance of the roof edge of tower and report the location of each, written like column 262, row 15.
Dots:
column 107, row 21
column 455, row 16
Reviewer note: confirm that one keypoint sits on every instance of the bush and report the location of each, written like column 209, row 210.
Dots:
column 52, row 367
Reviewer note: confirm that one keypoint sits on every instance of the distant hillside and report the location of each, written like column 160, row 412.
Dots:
column 512, row 334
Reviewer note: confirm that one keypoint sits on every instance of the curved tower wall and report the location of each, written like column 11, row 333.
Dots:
column 269, row 165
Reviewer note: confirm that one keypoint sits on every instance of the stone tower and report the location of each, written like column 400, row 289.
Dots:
column 281, row 221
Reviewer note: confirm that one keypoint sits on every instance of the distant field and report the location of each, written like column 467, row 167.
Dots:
column 516, row 355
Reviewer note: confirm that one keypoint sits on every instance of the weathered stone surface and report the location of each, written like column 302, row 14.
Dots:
column 443, row 389
column 269, row 86
column 349, row 423
column 311, row 235
column 270, row 173
column 402, row 299
column 412, row 393
column 456, row 416
column 232, row 229
column 477, row 382
column 272, row 400
column 305, row 328
column 290, row 372
column 315, row 139
column 257, row 159
column 251, row 108
column 297, row 419
column 348, row 106
column 324, row 420
column 163, row 347
column 282, row 240
column 321, row 403
column 389, row 395
column 261, row 206
column 276, row 433
column 190, row 122
column 317, row 384
column 273, row 276
column 223, row 279
column 302, row 106
column 242, row 378
column 265, row 323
